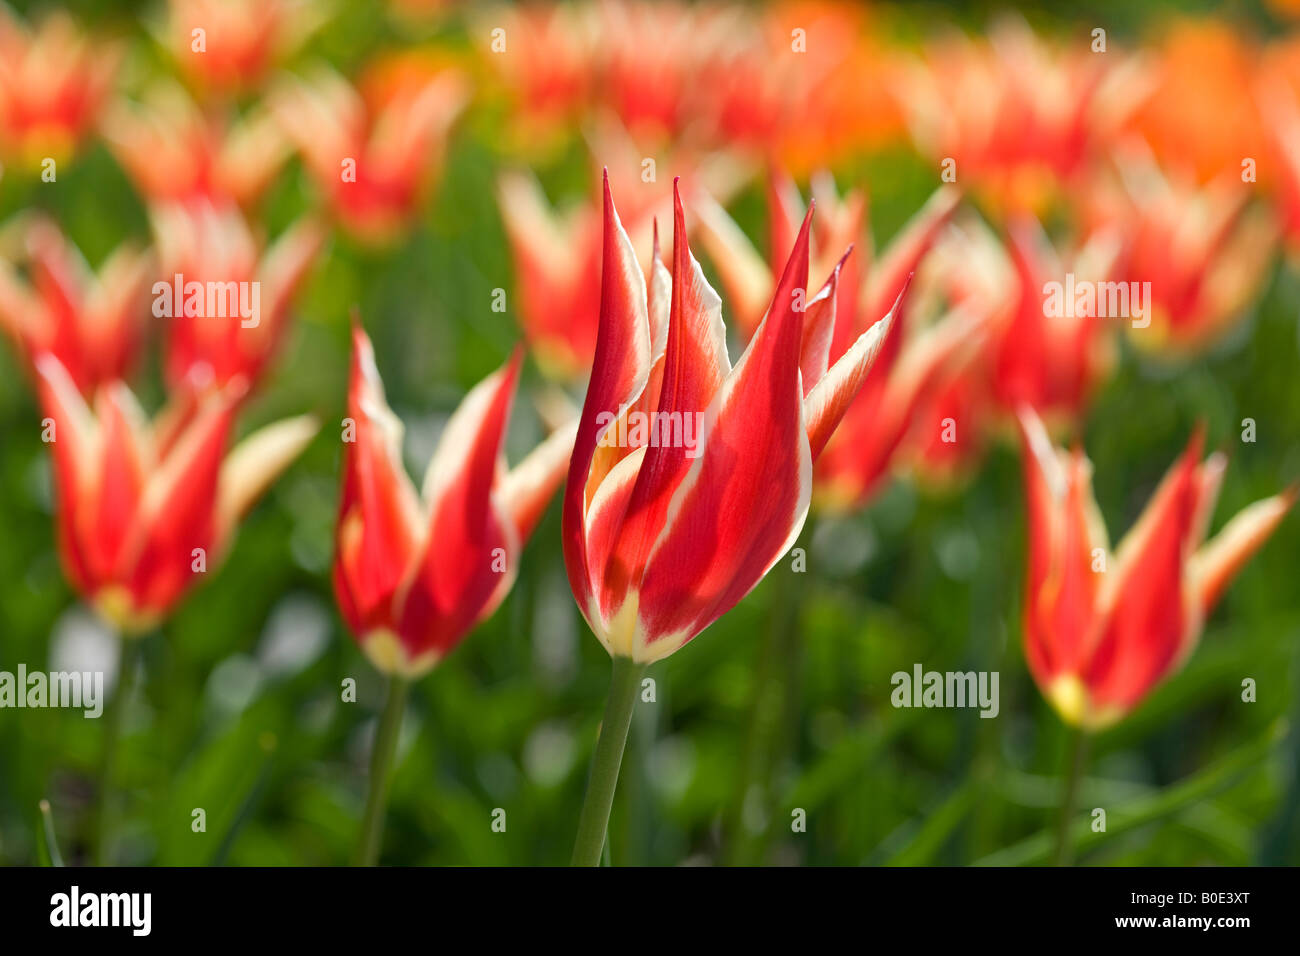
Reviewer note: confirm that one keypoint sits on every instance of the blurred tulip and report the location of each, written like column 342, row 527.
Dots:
column 143, row 509
column 1204, row 250
column 1278, row 93
column 53, row 82
column 1197, row 116
column 1048, row 342
column 1052, row 359
column 212, row 245
column 173, row 152
column 557, row 252
column 1021, row 120
column 374, row 153
column 858, row 458
column 555, row 255
column 413, row 577
column 230, row 46
column 1102, row 628
column 92, row 323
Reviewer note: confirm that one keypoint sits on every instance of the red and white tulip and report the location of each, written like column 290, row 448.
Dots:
column 414, row 574
column 1103, row 627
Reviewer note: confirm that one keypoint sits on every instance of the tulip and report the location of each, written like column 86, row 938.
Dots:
column 555, row 255
column 92, row 323
column 210, row 339
column 1021, row 121
column 859, row 457
column 1103, row 627
column 53, row 82
column 173, row 152
column 1204, row 251
column 1037, row 348
column 413, row 577
column 1279, row 101
column 663, row 536
column 230, row 46
column 374, row 153
column 557, row 251
column 144, row 508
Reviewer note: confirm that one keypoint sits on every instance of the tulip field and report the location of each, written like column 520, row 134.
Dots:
column 637, row 433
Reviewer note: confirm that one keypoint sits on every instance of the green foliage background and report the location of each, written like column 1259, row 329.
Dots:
column 278, row 761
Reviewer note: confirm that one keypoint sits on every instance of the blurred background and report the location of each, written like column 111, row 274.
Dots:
column 239, row 710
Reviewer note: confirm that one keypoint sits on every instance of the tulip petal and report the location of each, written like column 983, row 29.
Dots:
column 827, row 403
column 1148, row 617
column 1219, row 561
column 695, row 365
column 255, row 463
column 527, row 488
column 75, row 453
column 379, row 514
column 744, row 500
column 619, row 375
column 469, row 554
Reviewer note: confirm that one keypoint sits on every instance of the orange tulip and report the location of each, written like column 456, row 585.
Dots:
column 1102, row 628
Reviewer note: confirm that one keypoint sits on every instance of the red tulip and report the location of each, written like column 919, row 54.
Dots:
column 557, row 252
column 1021, row 121
column 1052, row 358
column 231, row 329
column 1102, row 628
column 173, row 152
column 555, row 256
column 143, row 508
column 414, row 575
column 231, row 45
column 859, row 457
column 92, row 323
column 663, row 535
column 374, row 153
column 53, row 82
column 1203, row 249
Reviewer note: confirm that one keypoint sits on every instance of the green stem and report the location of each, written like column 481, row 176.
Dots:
column 594, row 821
column 50, row 855
column 1077, row 755
column 772, row 677
column 382, row 752
column 128, row 664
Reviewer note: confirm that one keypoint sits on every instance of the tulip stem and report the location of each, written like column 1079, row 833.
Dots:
column 1077, row 750
column 115, row 717
column 382, row 752
column 594, row 821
